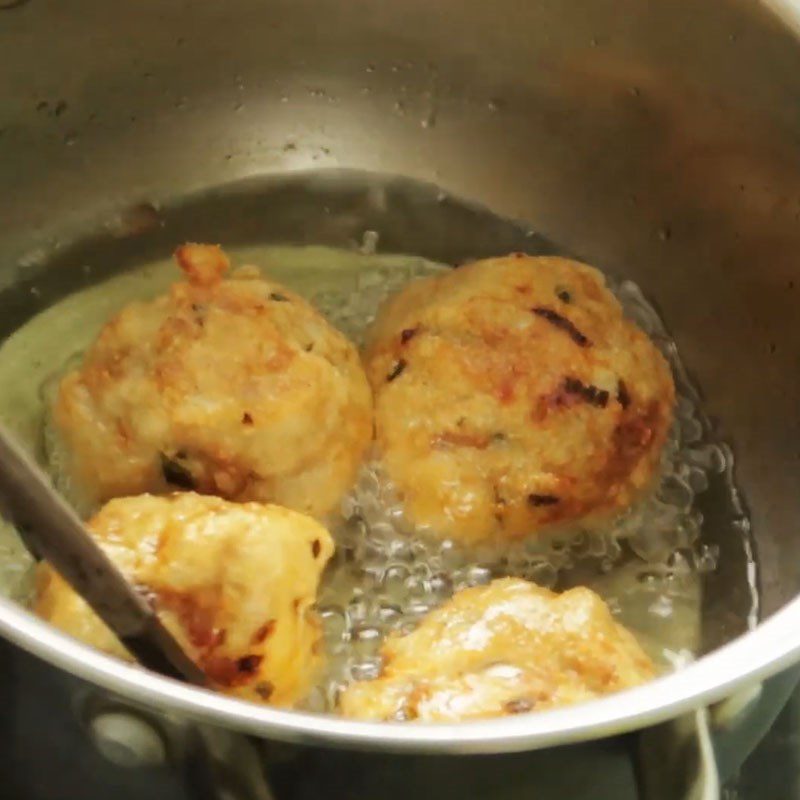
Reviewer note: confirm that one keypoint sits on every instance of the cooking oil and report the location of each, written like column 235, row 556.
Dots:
column 648, row 564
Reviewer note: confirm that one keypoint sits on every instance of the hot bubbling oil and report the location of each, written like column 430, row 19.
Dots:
column 647, row 563
column 385, row 576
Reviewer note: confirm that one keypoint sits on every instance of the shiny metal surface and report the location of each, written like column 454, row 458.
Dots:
column 658, row 139
column 757, row 655
column 38, row 699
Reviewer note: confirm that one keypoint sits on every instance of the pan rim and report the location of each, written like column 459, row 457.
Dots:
column 771, row 647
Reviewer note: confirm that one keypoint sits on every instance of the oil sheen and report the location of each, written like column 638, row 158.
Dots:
column 648, row 564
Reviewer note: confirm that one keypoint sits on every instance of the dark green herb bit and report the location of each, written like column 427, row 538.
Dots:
column 537, row 500
column 175, row 473
column 519, row 706
column 397, row 370
column 562, row 323
column 278, row 298
column 623, row 395
column 264, row 690
column 249, row 664
column 591, row 394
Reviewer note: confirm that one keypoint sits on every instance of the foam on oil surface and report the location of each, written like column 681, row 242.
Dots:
column 647, row 564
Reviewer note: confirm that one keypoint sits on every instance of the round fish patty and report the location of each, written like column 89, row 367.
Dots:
column 235, row 386
column 512, row 394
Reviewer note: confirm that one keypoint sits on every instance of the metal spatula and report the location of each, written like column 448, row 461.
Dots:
column 52, row 530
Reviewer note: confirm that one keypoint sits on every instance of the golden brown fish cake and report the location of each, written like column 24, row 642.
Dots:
column 505, row 648
column 512, row 394
column 236, row 387
column 235, row 583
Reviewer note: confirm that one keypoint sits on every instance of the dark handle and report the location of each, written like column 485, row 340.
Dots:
column 52, row 530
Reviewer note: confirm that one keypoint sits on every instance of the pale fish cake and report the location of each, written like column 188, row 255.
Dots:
column 235, row 584
column 505, row 648
column 234, row 386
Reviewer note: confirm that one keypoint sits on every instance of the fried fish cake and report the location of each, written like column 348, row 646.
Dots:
column 504, row 648
column 234, row 583
column 235, row 386
column 512, row 394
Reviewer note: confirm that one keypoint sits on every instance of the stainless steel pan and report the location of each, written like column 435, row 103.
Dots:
column 659, row 139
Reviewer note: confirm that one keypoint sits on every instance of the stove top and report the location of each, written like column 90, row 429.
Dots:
column 772, row 772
